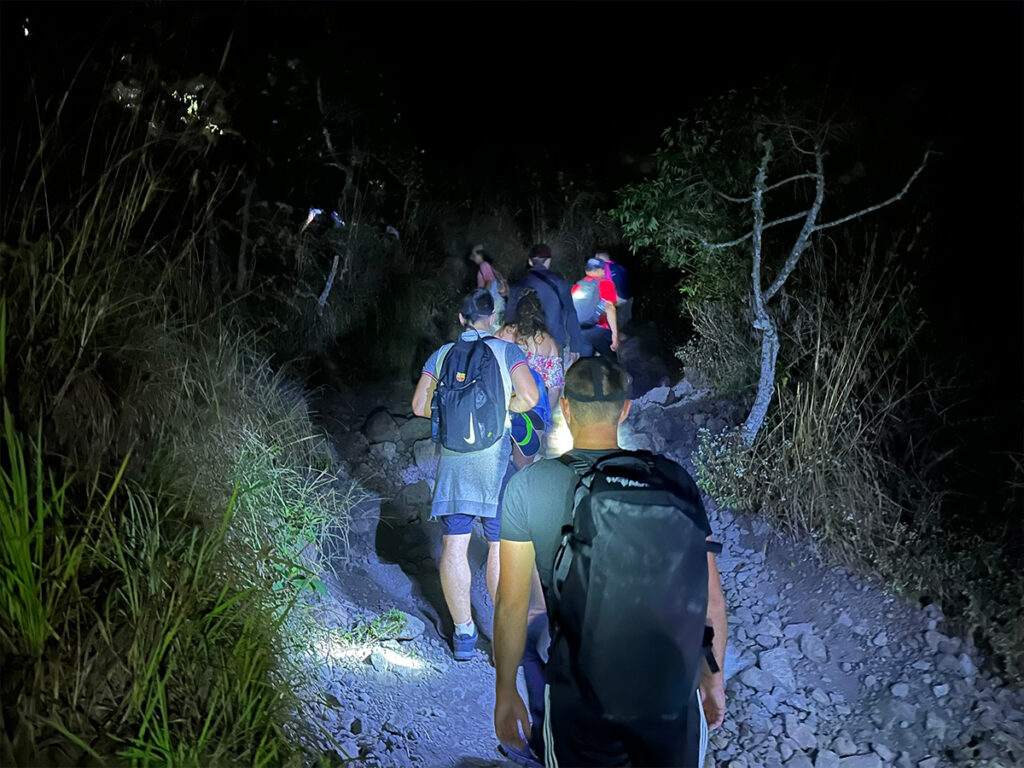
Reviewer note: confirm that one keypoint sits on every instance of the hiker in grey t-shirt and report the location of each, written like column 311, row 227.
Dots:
column 468, row 485
column 538, row 504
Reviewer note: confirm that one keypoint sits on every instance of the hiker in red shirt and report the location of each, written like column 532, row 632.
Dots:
column 595, row 298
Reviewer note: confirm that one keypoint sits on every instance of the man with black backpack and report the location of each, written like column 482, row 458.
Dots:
column 555, row 297
column 467, row 389
column 623, row 547
column 595, row 300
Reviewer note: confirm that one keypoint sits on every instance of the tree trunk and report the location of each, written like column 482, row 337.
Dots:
column 322, row 301
column 766, row 383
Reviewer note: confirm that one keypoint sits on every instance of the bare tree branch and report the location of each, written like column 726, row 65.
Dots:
column 791, row 179
column 732, row 199
column 804, row 238
column 870, row 208
column 769, row 225
column 758, row 231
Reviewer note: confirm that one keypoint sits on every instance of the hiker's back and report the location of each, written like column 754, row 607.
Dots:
column 630, row 589
column 469, row 411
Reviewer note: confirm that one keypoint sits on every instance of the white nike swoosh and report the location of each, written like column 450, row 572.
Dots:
column 472, row 432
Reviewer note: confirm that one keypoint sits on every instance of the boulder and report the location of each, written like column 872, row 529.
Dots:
column 778, row 664
column 414, row 429
column 416, row 494
column 380, row 428
column 412, row 629
column 425, row 454
column 682, row 389
column 861, row 761
column 813, row 648
column 658, row 395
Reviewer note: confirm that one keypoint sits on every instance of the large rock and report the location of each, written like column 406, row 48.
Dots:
column 813, row 648
column 861, row 761
column 757, row 679
column 843, row 746
column 800, row 733
column 658, row 395
column 425, row 454
column 414, row 429
column 682, row 389
column 416, row 494
column 778, row 664
column 380, row 428
column 412, row 628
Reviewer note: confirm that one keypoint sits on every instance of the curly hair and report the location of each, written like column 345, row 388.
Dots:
column 529, row 322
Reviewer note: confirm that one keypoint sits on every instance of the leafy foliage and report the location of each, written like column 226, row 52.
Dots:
column 167, row 503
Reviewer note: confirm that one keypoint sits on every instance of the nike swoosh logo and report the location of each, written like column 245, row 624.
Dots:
column 472, row 432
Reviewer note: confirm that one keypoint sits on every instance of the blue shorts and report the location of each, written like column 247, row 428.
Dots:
column 455, row 525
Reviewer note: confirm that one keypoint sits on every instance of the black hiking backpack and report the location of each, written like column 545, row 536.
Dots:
column 469, row 406
column 629, row 592
column 586, row 298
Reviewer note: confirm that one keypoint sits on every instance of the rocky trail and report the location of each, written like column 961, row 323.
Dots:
column 825, row 669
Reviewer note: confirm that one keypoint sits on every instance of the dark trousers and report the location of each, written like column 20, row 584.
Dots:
column 533, row 671
column 579, row 736
column 599, row 342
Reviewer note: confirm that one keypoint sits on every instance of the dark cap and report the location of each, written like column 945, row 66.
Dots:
column 540, row 252
column 593, row 264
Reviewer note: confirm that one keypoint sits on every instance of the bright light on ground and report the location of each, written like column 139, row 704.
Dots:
column 339, row 651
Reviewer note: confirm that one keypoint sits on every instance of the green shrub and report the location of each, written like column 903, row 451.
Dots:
column 723, row 350
column 165, row 527
column 826, row 464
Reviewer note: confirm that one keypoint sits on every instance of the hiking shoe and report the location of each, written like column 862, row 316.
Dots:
column 520, row 755
column 464, row 646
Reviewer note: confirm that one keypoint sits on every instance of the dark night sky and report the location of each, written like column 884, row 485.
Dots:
column 482, row 86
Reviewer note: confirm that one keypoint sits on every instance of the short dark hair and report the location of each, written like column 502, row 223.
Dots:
column 476, row 305
column 539, row 253
column 595, row 404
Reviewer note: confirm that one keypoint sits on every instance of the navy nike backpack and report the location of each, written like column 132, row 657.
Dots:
column 469, row 407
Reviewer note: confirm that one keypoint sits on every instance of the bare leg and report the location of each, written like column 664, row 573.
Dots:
column 493, row 568
column 456, row 578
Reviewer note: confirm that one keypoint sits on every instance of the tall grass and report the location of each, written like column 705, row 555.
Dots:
column 166, row 505
column 829, row 463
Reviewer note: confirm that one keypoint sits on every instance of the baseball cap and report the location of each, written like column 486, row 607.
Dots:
column 593, row 264
column 540, row 252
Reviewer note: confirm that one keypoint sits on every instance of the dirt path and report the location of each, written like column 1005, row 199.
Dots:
column 825, row 669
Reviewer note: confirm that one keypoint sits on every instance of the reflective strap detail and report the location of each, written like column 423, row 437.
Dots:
column 550, row 760
column 703, row 732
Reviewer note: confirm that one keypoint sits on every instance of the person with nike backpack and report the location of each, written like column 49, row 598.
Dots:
column 467, row 388
column 623, row 548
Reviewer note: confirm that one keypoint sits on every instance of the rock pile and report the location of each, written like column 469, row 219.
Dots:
column 825, row 669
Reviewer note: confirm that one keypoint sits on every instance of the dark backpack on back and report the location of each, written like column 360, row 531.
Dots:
column 629, row 592
column 469, row 407
column 586, row 297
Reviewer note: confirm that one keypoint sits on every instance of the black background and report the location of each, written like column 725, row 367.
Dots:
column 587, row 88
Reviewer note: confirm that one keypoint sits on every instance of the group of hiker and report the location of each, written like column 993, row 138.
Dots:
column 600, row 562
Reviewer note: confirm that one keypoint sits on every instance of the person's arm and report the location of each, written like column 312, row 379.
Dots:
column 525, row 394
column 423, row 395
column 613, row 323
column 572, row 322
column 510, row 617
column 712, row 686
